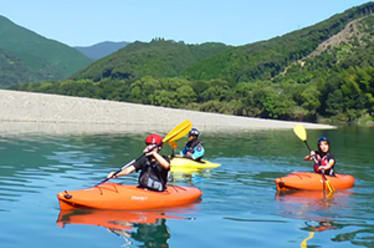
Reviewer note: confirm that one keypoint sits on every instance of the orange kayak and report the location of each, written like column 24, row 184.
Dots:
column 312, row 181
column 127, row 197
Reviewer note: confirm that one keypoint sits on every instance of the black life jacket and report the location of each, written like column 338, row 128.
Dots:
column 153, row 176
column 192, row 144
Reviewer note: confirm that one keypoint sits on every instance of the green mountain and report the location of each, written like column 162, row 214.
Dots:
column 260, row 60
column 159, row 58
column 101, row 49
column 13, row 70
column 266, row 59
column 28, row 57
column 322, row 73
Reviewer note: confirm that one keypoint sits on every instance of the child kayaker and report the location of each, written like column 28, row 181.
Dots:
column 324, row 161
column 153, row 166
column 193, row 149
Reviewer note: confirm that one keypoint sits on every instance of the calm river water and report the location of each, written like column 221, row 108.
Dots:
column 239, row 207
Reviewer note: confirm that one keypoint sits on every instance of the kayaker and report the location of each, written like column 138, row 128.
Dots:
column 324, row 161
column 154, row 167
column 193, row 149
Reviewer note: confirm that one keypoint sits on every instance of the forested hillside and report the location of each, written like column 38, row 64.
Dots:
column 159, row 58
column 266, row 59
column 320, row 73
column 28, row 57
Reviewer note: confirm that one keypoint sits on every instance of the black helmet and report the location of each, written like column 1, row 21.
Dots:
column 194, row 132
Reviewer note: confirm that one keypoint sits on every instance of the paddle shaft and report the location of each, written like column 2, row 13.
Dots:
column 314, row 157
column 118, row 171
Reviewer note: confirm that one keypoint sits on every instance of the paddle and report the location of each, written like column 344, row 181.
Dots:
column 300, row 132
column 178, row 132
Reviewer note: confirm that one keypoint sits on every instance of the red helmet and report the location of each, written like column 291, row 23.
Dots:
column 153, row 139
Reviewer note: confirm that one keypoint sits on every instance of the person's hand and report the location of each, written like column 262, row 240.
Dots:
column 111, row 175
column 312, row 154
column 150, row 150
column 321, row 168
column 151, row 153
column 188, row 155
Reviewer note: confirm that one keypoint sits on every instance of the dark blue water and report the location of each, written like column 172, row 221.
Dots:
column 239, row 207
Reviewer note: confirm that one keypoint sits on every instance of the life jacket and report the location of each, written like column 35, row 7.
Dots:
column 192, row 144
column 322, row 160
column 153, row 176
column 195, row 148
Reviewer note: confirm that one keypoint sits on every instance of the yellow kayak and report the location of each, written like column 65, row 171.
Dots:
column 179, row 162
column 184, row 171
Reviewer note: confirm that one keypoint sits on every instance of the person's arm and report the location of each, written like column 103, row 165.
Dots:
column 153, row 151
column 123, row 172
column 184, row 151
column 188, row 155
column 160, row 159
column 329, row 165
column 310, row 156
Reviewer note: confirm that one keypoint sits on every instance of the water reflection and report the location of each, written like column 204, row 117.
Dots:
column 152, row 235
column 145, row 227
column 316, row 208
column 148, row 228
column 188, row 176
column 321, row 226
column 362, row 234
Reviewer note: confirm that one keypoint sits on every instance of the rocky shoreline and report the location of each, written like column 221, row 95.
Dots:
column 37, row 113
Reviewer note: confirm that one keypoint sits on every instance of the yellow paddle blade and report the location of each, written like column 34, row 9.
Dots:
column 330, row 187
column 300, row 132
column 178, row 132
column 327, row 184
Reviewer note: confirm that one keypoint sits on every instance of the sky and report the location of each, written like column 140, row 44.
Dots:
column 233, row 22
